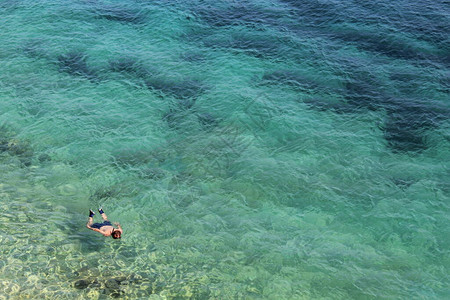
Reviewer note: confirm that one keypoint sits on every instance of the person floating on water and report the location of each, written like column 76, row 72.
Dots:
column 105, row 228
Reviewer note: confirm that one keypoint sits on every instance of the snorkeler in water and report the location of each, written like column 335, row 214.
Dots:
column 105, row 228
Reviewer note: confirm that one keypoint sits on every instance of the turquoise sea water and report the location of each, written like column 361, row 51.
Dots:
column 250, row 149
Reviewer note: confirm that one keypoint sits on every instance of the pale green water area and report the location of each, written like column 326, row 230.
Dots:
column 250, row 149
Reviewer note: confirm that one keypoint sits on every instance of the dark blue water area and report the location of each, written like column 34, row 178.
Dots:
column 412, row 33
column 386, row 33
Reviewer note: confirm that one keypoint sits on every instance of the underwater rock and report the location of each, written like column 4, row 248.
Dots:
column 135, row 278
column 112, row 284
column 95, row 284
column 74, row 63
column 3, row 145
column 44, row 157
column 19, row 148
column 112, row 287
column 120, row 279
column 81, row 284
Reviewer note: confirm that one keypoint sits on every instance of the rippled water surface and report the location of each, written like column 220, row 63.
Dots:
column 250, row 149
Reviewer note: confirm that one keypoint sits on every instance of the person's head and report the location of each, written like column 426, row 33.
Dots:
column 116, row 234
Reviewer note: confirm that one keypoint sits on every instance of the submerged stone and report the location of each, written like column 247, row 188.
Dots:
column 81, row 284
column 16, row 147
column 119, row 279
column 44, row 157
column 3, row 145
column 112, row 283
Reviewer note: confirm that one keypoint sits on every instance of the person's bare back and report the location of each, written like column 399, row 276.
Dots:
column 105, row 228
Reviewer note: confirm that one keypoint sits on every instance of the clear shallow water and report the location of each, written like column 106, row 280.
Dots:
column 251, row 150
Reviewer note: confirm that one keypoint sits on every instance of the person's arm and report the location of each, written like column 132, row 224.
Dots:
column 118, row 226
column 98, row 230
column 88, row 225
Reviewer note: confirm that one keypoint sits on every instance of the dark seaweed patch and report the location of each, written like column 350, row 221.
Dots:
column 10, row 144
column 403, row 183
column 6, row 134
column 34, row 49
column 44, row 158
column 407, row 122
column 379, row 42
column 131, row 65
column 207, row 120
column 174, row 118
column 74, row 63
column 22, row 150
column 363, row 94
column 402, row 136
column 124, row 64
